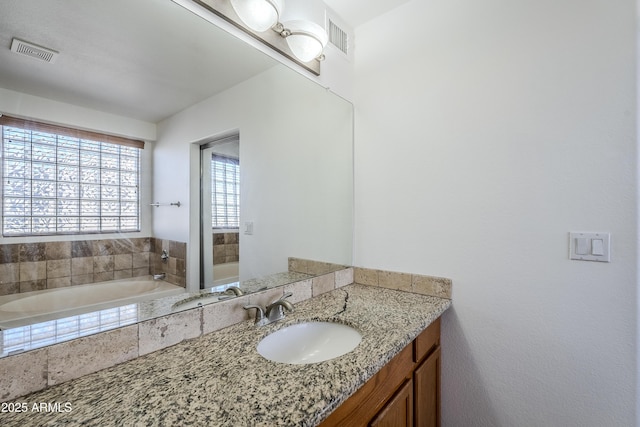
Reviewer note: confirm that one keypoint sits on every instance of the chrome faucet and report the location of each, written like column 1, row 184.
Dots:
column 160, row 276
column 260, row 319
column 274, row 311
column 234, row 290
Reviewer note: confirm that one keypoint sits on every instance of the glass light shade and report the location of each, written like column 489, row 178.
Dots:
column 259, row 15
column 307, row 39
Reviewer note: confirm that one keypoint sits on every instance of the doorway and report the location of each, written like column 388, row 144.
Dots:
column 220, row 212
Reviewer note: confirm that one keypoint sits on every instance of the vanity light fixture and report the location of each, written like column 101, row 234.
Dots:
column 300, row 41
column 306, row 39
column 259, row 15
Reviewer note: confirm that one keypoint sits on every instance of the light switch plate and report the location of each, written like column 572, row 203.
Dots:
column 590, row 246
column 248, row 227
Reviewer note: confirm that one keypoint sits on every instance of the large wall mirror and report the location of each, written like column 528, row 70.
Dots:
column 157, row 65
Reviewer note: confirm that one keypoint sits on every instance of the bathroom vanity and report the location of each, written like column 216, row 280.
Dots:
column 220, row 379
column 405, row 392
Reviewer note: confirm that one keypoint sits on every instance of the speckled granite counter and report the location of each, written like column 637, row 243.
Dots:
column 219, row 379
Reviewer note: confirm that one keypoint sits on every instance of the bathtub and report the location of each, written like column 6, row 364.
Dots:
column 225, row 273
column 38, row 306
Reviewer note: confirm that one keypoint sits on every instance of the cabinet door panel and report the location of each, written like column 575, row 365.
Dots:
column 365, row 403
column 399, row 411
column 427, row 341
column 426, row 380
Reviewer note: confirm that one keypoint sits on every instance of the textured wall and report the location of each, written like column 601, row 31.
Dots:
column 485, row 132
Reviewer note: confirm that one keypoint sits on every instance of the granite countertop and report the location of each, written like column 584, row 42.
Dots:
column 220, row 379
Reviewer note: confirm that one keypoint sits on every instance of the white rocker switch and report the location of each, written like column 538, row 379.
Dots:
column 597, row 247
column 582, row 246
column 590, row 246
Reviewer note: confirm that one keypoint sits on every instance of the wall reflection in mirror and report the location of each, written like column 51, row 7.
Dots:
column 194, row 84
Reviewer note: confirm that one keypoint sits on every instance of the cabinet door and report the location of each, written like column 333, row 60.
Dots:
column 399, row 411
column 426, row 380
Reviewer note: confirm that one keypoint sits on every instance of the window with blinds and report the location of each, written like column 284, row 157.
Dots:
column 225, row 194
column 61, row 183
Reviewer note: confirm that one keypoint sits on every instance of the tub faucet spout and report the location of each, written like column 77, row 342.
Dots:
column 160, row 276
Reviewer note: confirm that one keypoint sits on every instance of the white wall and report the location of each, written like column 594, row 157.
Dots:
column 485, row 132
column 34, row 107
column 296, row 171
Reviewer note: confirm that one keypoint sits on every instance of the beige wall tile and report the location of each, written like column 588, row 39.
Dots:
column 166, row 331
column 9, row 254
column 23, row 373
column 59, row 282
column 9, row 288
column 298, row 265
column 122, row 274
column 344, row 277
column 322, row 284
column 33, row 270
column 223, row 314
column 141, row 244
column 123, row 262
column 30, row 252
column 9, row 273
column 33, row 285
column 434, row 286
column 393, row 280
column 365, row 276
column 103, row 263
column 171, row 268
column 140, row 260
column 103, row 276
column 81, row 249
column 301, row 291
column 138, row 272
column 83, row 356
column 81, row 280
column 265, row 298
column 58, row 250
column 81, row 266
column 58, row 268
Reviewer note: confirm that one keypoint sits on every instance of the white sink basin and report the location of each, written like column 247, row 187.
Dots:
column 309, row 342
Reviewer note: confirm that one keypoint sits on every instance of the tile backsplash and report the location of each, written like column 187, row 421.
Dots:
column 417, row 283
column 226, row 247
column 28, row 267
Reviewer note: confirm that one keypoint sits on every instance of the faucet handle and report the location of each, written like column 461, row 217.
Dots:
column 287, row 295
column 275, row 311
column 260, row 319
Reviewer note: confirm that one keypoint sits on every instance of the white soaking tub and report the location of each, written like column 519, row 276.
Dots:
column 39, row 306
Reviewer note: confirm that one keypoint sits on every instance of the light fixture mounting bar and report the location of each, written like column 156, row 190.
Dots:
column 274, row 40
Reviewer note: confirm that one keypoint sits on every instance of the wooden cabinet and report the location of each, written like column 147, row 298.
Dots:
column 399, row 411
column 405, row 392
column 426, row 386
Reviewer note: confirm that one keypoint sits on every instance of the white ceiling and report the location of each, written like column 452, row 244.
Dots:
column 357, row 12
column 145, row 59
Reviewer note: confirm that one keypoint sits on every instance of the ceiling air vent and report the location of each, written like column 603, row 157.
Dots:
column 33, row 50
column 338, row 37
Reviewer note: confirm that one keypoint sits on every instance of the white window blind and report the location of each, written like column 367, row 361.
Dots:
column 225, row 195
column 55, row 183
